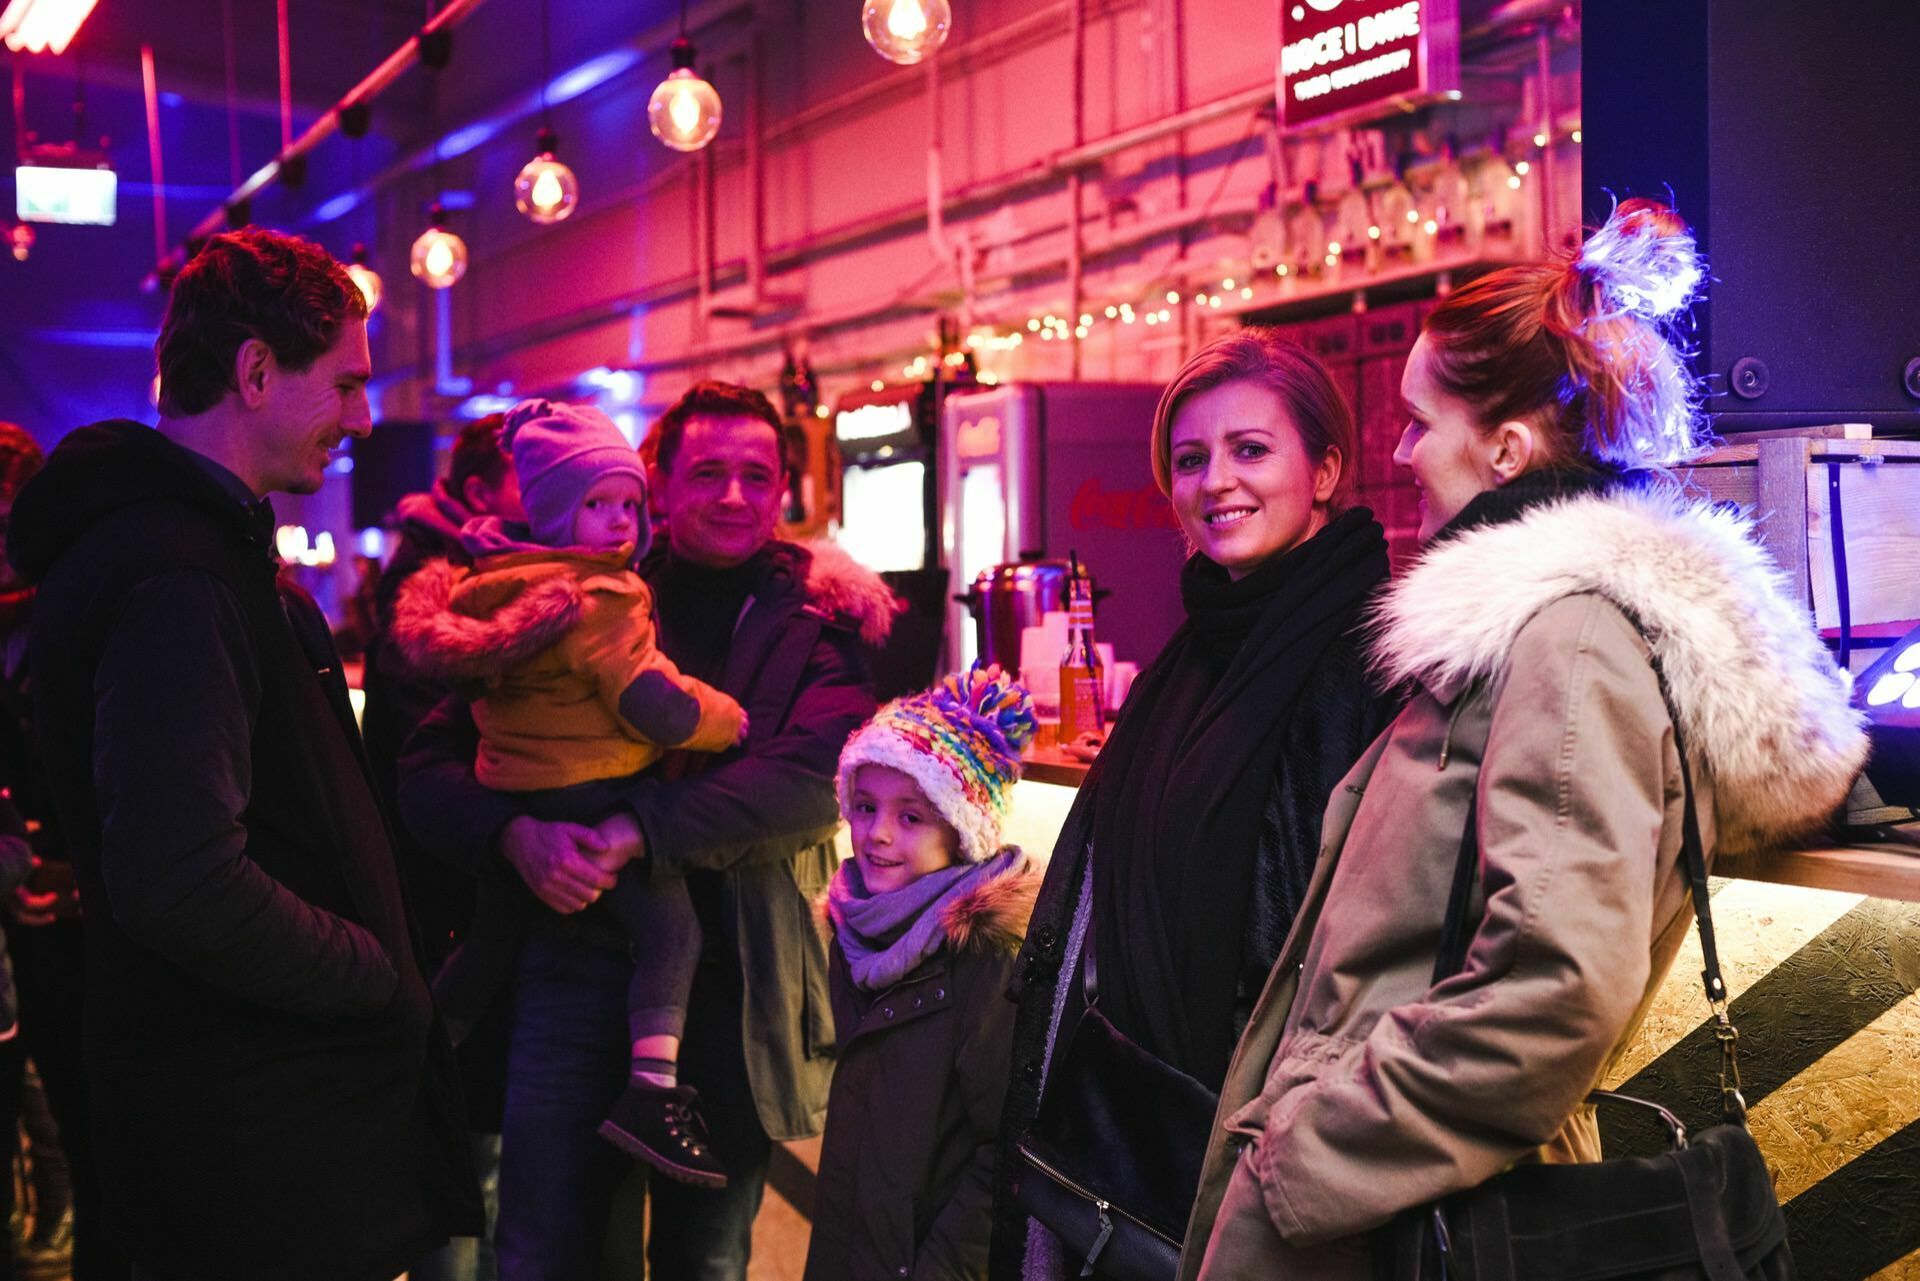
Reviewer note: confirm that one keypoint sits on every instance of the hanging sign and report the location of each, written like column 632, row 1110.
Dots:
column 1352, row 60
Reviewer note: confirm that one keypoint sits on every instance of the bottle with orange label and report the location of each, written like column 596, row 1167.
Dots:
column 1082, row 683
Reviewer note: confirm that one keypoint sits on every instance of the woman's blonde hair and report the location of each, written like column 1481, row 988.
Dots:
column 1582, row 347
column 1319, row 412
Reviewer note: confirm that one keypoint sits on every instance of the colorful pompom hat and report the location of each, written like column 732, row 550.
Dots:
column 961, row 742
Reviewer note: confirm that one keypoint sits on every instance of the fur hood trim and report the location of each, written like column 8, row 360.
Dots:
column 992, row 916
column 841, row 585
column 447, row 644
column 1760, row 701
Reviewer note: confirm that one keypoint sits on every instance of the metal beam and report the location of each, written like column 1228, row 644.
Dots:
column 377, row 81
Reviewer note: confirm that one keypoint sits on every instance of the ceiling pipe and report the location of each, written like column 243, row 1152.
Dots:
column 1077, row 40
column 527, row 106
column 907, row 217
column 377, row 81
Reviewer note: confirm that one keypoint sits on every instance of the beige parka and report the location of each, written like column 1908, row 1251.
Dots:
column 1360, row 1089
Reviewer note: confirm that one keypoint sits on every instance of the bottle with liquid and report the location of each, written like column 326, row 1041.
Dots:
column 1082, row 683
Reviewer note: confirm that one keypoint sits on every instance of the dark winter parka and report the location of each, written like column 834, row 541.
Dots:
column 906, row 1174
column 272, row 1095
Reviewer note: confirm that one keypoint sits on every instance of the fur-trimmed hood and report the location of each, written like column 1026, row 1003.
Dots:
column 1759, row 699
column 991, row 916
column 456, row 624
column 841, row 585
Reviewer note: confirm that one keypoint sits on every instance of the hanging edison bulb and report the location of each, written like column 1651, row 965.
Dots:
column 684, row 111
column 366, row 279
column 905, row 31
column 439, row 257
column 546, row 190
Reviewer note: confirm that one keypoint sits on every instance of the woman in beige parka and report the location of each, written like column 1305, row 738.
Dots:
column 1558, row 574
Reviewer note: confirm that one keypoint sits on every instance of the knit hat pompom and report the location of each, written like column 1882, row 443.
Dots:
column 559, row 452
column 961, row 742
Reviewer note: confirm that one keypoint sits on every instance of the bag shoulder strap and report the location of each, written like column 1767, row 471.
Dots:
column 1457, row 931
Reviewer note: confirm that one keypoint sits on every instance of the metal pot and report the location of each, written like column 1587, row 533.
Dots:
column 1008, row 597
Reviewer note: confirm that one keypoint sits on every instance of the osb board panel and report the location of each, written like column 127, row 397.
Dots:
column 1823, row 986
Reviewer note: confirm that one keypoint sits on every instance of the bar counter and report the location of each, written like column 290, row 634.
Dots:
column 1889, row 870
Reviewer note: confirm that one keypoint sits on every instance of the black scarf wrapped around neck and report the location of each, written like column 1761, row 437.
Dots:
column 1184, row 780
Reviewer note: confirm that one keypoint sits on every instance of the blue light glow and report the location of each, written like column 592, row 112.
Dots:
column 339, row 207
column 482, row 405
column 595, row 71
column 461, row 141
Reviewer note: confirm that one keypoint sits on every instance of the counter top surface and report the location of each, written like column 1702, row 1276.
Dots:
column 1051, row 765
column 1883, row 869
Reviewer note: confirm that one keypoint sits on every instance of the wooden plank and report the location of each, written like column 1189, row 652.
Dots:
column 1880, row 515
column 1880, row 871
column 1781, row 513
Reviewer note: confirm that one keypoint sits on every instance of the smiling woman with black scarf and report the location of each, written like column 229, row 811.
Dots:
column 1187, row 853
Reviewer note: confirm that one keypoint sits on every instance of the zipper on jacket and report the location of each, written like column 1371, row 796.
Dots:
column 1453, row 721
column 1104, row 1208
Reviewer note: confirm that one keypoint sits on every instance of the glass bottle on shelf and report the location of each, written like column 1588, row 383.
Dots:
column 1354, row 247
column 1082, row 683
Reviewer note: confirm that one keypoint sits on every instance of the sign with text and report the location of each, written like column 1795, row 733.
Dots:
column 1351, row 60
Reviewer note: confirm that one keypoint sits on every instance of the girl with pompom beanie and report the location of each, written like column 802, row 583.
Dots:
column 926, row 918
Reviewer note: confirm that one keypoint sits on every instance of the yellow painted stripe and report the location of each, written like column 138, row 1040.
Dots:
column 1860, row 1093
column 1907, row 1269
column 1758, row 925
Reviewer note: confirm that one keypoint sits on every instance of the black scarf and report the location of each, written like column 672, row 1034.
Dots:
column 1183, row 782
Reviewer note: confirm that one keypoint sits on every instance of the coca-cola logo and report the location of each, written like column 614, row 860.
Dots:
column 1096, row 507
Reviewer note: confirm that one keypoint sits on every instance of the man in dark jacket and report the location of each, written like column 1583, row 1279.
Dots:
column 784, row 630
column 480, row 481
column 271, row 1093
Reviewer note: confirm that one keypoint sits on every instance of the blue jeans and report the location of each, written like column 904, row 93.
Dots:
column 567, row 1061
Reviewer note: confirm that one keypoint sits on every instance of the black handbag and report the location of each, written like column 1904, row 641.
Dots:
column 1112, row 1161
column 1705, row 1208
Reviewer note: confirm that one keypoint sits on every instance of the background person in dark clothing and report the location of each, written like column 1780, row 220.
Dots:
column 784, row 630
column 43, row 926
column 271, row 1093
column 480, row 481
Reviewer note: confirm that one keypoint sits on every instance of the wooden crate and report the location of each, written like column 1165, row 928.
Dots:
column 1790, row 483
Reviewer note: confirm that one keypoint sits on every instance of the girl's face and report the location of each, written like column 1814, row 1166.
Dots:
column 898, row 836
column 611, row 513
column 1451, row 458
column 1244, row 489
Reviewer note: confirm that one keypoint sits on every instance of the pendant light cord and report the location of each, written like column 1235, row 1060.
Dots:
column 546, row 66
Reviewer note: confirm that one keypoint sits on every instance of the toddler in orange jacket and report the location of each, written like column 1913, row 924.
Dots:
column 554, row 630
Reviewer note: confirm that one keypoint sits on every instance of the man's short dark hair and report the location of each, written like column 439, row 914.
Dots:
column 253, row 283
column 477, row 452
column 708, row 399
